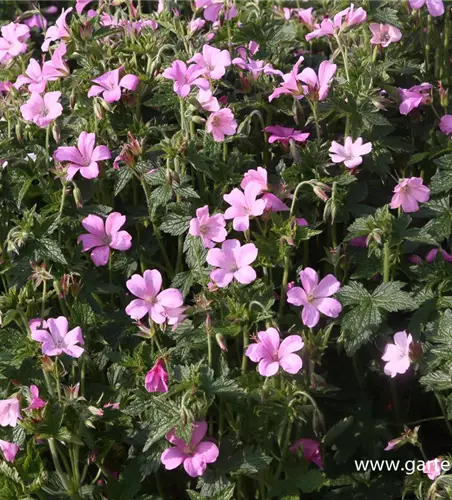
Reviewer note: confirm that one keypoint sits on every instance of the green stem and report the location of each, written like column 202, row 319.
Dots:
column 318, row 130
column 246, row 341
column 57, row 379
column 444, row 412
column 386, row 262
column 56, row 462
column 285, row 279
column 44, row 291
column 47, row 145
column 110, row 274
column 344, row 55
column 209, row 347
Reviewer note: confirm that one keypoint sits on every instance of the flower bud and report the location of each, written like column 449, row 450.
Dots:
column 416, row 352
column 56, row 132
column 320, row 193
column 221, row 342
column 98, row 111
column 18, row 130
column 208, row 323
column 77, row 196
column 86, row 31
column 443, row 96
column 47, row 363
column 198, row 120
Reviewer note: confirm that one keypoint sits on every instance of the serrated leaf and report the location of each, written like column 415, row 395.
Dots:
column 122, row 178
column 175, row 224
column 50, row 249
column 437, row 381
column 391, row 297
column 441, row 181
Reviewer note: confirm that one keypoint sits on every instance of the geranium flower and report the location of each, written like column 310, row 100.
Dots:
column 195, row 25
column 272, row 354
column 317, row 87
column 258, row 176
column 212, row 62
column 311, row 450
column 435, row 7
column 284, row 135
column 195, row 455
column 432, row 468
column 207, row 101
column 42, row 110
column 36, row 402
column 384, row 34
column 151, row 300
column 413, row 97
column 350, row 153
column 221, row 123
column 33, row 77
column 243, row 206
column 185, row 77
column 12, row 41
column 314, row 297
column 397, row 355
column 291, row 84
column 305, row 17
column 326, row 28
column 9, row 412
column 36, row 21
column 84, row 157
column 213, row 8
column 81, row 4
column 349, row 17
column 156, row 379
column 211, row 229
column 57, row 67
column 103, row 236
column 109, row 85
column 9, row 450
column 433, row 254
column 409, row 193
column 58, row 340
column 60, row 30
column 445, row 124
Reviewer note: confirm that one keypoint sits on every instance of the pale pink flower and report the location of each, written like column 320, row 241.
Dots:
column 435, row 7
column 432, row 468
column 156, row 379
column 81, row 4
column 58, row 340
column 311, row 450
column 413, row 97
column 33, row 77
column 243, row 206
column 305, row 17
column 213, row 62
column 12, row 41
column 196, row 24
column 9, row 450
column 291, row 83
column 258, row 176
column 273, row 203
column 213, row 8
column 184, row 77
column 9, row 412
column 42, row 110
column 326, row 28
column 36, row 402
column 433, row 254
column 314, row 297
column 284, row 135
column 301, row 222
column 384, row 34
column 36, row 21
column 445, row 124
column 317, row 87
column 272, row 354
column 207, row 101
column 5, row 87
column 57, row 67
column 109, row 85
column 409, row 193
column 57, row 32
column 84, row 157
column 113, row 406
column 103, row 236
column 175, row 316
column 350, row 153
column 397, row 355
column 37, row 324
column 232, row 262
column 151, row 300
column 350, row 16
column 221, row 123
column 195, row 455
column 211, row 229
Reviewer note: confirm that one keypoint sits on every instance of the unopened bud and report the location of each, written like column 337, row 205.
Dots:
column 86, row 31
column 56, row 132
column 198, row 120
column 416, row 352
column 221, row 341
column 98, row 111
column 47, row 364
column 320, row 193
column 72, row 99
column 443, row 96
column 208, row 323
column 18, row 130
column 77, row 197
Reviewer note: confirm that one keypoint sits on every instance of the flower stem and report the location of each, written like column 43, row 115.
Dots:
column 47, row 145
column 57, row 379
column 386, row 266
column 444, row 412
column 344, row 55
column 246, row 341
column 56, row 462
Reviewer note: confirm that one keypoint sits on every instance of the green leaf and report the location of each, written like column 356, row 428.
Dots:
column 310, row 481
column 122, row 178
column 391, row 298
column 442, row 180
column 49, row 249
column 175, row 224
column 437, row 381
column 352, row 294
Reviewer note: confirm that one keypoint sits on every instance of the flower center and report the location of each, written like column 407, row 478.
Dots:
column 43, row 111
column 203, row 230
column 216, row 121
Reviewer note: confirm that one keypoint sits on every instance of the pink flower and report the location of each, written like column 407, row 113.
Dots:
column 350, row 153
column 432, row 468
column 36, row 21
column 284, row 135
column 37, row 323
column 81, row 4
column 12, row 41
column 351, row 17
column 195, row 455
column 409, row 193
column 84, row 157
column 359, row 242
column 185, row 77
column 273, row 203
column 317, row 87
column 435, row 7
column 271, row 353
column 207, row 101
column 151, row 300
column 102, row 236
column 42, row 110
column 9, row 450
column 413, row 97
column 211, row 229
column 384, row 34
column 301, row 222
column 36, row 402
column 232, row 262
column 113, row 406
column 243, row 206
column 221, row 123
column 326, row 28
column 311, row 450
column 59, row 340
column 33, row 77
column 60, row 30
column 433, row 253
column 9, row 412
column 57, row 66
column 305, row 17
column 397, row 355
column 109, row 85
column 314, row 297
column 291, row 84
column 212, row 9
column 196, row 24
column 212, row 62
column 445, row 124
column 258, row 176
column 156, row 378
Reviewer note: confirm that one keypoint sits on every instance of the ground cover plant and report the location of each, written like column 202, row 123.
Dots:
column 225, row 256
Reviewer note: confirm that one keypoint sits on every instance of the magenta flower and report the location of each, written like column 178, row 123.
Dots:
column 57, row 32
column 84, row 157
column 350, row 153
column 326, row 28
column 213, row 8
column 433, row 254
column 413, row 97
column 58, row 340
column 195, row 455
column 12, row 41
column 211, row 229
column 33, row 77
column 57, row 66
column 284, row 135
column 409, row 193
column 311, row 450
column 271, row 353
column 36, row 21
column 314, row 297
column 291, row 84
column 42, row 110
column 156, row 378
column 397, row 355
column 207, row 101
column 102, row 236
column 445, row 124
column 435, row 7
column 185, row 77
column 258, row 176
column 384, row 34
column 221, row 123
column 9, row 412
column 9, row 450
column 151, row 300
column 273, row 203
column 359, row 242
column 232, row 262
column 109, row 85
column 243, row 206
column 432, row 468
column 317, row 87
column 212, row 62
column 36, row 402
